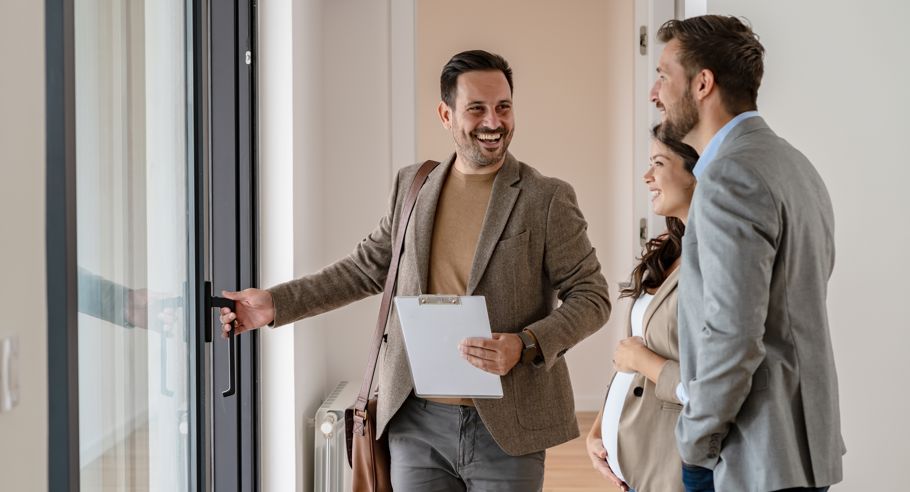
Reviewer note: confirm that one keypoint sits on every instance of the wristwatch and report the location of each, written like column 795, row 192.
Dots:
column 530, row 353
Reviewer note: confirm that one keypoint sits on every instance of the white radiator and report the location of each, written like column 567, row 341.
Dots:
column 331, row 472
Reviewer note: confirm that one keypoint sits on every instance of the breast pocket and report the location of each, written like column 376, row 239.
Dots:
column 511, row 259
column 508, row 274
column 514, row 241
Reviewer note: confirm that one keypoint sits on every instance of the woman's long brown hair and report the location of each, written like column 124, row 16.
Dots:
column 661, row 252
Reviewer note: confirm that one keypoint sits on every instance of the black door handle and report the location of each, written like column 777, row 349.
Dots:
column 231, row 372
column 212, row 302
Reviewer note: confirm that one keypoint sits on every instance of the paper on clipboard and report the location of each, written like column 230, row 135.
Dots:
column 432, row 327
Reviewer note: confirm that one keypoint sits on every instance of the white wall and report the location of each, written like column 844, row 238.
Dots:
column 573, row 74
column 23, row 445
column 835, row 86
column 357, row 161
column 326, row 144
column 281, row 429
column 293, row 364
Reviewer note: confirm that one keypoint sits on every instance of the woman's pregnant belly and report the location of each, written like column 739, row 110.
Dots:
column 609, row 425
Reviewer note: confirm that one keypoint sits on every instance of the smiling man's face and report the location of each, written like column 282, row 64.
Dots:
column 481, row 122
column 672, row 94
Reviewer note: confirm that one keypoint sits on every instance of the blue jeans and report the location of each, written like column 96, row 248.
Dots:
column 698, row 479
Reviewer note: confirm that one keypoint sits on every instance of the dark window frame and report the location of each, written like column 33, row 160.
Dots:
column 60, row 231
column 233, row 213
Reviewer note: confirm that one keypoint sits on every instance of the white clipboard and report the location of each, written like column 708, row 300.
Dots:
column 432, row 327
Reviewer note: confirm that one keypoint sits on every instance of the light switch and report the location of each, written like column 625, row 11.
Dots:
column 9, row 373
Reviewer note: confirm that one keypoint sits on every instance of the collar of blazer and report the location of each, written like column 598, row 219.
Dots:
column 502, row 200
column 745, row 127
column 663, row 291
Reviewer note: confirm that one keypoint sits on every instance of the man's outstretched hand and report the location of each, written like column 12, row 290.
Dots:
column 254, row 309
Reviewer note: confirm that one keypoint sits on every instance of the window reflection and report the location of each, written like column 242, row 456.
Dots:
column 132, row 243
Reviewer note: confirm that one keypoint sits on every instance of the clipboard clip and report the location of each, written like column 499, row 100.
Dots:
column 435, row 300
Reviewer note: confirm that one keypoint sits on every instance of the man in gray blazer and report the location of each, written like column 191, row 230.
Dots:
column 484, row 224
column 757, row 368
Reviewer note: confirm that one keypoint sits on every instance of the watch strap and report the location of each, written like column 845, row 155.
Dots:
column 529, row 350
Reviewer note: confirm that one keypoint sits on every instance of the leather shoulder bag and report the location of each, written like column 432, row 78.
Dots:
column 367, row 455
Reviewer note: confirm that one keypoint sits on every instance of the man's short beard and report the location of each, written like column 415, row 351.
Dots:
column 680, row 122
column 473, row 152
column 477, row 157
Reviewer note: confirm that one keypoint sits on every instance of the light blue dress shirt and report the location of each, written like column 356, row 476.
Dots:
column 710, row 151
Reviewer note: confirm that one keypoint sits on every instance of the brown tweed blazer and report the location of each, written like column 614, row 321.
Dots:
column 533, row 250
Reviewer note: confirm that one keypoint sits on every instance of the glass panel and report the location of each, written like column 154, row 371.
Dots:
column 133, row 244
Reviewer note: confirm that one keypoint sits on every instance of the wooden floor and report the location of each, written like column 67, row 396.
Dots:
column 568, row 468
column 123, row 467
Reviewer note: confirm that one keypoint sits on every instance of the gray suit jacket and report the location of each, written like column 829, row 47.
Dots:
column 533, row 249
column 755, row 349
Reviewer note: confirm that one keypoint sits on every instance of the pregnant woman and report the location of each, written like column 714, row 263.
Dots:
column 632, row 441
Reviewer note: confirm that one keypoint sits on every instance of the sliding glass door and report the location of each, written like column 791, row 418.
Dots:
column 151, row 204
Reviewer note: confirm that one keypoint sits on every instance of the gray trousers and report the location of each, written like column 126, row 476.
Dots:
column 438, row 447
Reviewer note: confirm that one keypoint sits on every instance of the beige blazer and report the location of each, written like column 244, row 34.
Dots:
column 533, row 250
column 646, row 442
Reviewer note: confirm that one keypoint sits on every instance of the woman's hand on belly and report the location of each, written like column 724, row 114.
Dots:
column 632, row 355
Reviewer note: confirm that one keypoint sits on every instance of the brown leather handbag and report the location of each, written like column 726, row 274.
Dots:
column 368, row 456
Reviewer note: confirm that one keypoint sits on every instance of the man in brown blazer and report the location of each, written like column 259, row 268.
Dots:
column 484, row 224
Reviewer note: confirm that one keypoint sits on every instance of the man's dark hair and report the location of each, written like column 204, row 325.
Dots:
column 470, row 61
column 726, row 46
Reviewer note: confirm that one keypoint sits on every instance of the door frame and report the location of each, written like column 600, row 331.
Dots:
column 649, row 14
column 230, row 213
column 60, row 202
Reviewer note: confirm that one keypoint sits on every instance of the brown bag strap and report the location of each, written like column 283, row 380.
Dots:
column 410, row 199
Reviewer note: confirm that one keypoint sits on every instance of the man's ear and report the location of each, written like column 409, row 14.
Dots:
column 445, row 114
column 703, row 84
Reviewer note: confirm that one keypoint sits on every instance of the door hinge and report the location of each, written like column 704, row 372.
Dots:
column 249, row 57
column 643, row 40
column 643, row 232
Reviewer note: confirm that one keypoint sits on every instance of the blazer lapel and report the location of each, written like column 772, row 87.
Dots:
column 661, row 294
column 502, row 200
column 419, row 236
